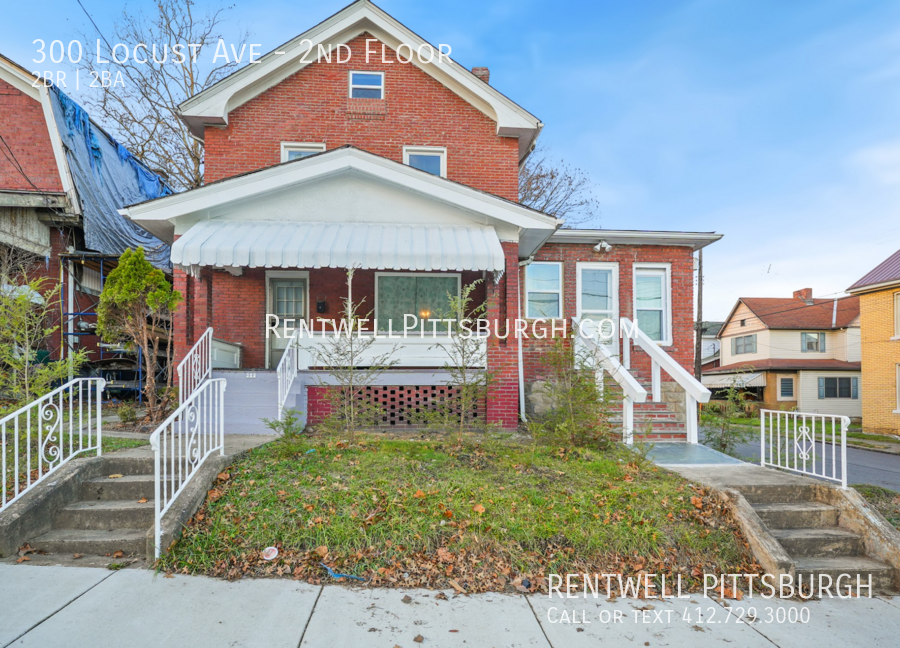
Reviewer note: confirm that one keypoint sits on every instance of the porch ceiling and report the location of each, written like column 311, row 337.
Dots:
column 370, row 246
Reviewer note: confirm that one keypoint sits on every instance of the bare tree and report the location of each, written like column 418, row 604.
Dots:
column 553, row 187
column 143, row 115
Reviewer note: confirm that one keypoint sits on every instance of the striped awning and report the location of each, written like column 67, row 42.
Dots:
column 372, row 246
column 724, row 381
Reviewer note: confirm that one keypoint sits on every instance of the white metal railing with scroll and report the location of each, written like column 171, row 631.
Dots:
column 196, row 366
column 802, row 442
column 40, row 437
column 183, row 442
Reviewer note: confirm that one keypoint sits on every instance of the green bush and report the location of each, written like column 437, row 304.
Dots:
column 127, row 413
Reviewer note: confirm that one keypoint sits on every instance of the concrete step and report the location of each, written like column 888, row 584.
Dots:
column 797, row 515
column 854, row 566
column 113, row 465
column 819, row 543
column 778, row 493
column 105, row 514
column 129, row 487
column 72, row 541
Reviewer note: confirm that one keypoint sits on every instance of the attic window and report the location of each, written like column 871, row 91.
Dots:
column 432, row 159
column 296, row 150
column 367, row 85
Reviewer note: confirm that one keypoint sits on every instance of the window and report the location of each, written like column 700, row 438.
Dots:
column 786, row 388
column 812, row 342
column 839, row 387
column 897, row 314
column 597, row 290
column 427, row 296
column 743, row 322
column 288, row 298
column 651, row 301
column 296, row 150
column 367, row 85
column 543, row 290
column 743, row 344
column 432, row 159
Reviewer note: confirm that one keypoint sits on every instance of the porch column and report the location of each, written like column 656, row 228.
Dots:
column 502, row 356
column 182, row 323
column 201, row 308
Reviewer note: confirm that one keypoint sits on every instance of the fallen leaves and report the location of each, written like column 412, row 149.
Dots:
column 419, row 639
column 455, row 585
column 116, row 476
column 478, row 508
column 143, row 500
column 697, row 502
column 419, row 494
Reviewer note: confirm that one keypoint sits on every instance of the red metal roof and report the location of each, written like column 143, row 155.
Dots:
column 793, row 313
column 780, row 364
column 885, row 272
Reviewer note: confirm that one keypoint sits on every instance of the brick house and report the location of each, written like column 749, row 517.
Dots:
column 62, row 179
column 879, row 305
column 794, row 353
column 407, row 172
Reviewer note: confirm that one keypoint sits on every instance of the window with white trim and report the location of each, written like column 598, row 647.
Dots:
column 812, row 342
column 897, row 314
column 297, row 150
column 431, row 159
column 543, row 290
column 366, row 85
column 743, row 344
column 785, row 388
column 652, row 307
column 425, row 295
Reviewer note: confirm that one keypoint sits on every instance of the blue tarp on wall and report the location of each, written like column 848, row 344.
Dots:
column 107, row 178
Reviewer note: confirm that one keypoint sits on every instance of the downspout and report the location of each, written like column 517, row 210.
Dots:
column 521, row 361
column 834, row 314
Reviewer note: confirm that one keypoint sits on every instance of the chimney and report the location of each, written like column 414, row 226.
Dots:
column 804, row 294
column 482, row 73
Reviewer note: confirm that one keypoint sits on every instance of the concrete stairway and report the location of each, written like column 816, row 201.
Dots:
column 109, row 515
column 808, row 531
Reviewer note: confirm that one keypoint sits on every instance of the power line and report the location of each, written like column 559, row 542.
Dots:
column 94, row 24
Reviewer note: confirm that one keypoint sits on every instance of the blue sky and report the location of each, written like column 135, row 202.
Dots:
column 774, row 123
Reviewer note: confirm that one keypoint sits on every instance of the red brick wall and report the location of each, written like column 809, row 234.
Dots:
column 502, row 353
column 25, row 131
column 682, row 275
column 312, row 106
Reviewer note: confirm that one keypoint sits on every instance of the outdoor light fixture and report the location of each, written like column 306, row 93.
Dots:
column 602, row 246
column 321, row 305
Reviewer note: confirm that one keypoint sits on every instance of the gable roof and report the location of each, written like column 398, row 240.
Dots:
column 792, row 313
column 212, row 105
column 884, row 274
column 157, row 216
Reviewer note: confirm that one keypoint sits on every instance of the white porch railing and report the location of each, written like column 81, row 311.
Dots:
column 412, row 351
column 196, row 366
column 183, row 442
column 791, row 441
column 40, row 437
column 633, row 391
column 694, row 391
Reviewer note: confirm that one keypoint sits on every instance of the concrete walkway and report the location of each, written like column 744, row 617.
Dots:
column 71, row 607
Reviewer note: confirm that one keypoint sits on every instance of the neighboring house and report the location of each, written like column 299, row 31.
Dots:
column 408, row 173
column 879, row 304
column 709, row 345
column 62, row 180
column 801, row 353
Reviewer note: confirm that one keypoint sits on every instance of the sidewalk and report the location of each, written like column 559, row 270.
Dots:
column 74, row 607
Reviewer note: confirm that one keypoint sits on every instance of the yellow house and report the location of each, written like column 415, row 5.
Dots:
column 879, row 301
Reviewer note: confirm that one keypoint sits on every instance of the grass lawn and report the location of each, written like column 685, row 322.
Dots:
column 479, row 516
column 885, row 500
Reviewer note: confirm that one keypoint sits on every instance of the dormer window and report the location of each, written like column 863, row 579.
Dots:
column 432, row 159
column 297, row 150
column 367, row 85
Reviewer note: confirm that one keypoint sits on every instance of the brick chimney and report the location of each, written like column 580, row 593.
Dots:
column 482, row 73
column 804, row 294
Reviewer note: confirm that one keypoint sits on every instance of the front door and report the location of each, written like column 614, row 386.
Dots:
column 598, row 301
column 287, row 300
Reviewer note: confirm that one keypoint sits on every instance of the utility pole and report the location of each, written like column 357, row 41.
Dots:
column 698, row 342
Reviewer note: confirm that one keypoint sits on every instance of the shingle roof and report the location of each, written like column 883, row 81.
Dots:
column 887, row 271
column 793, row 313
column 783, row 364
